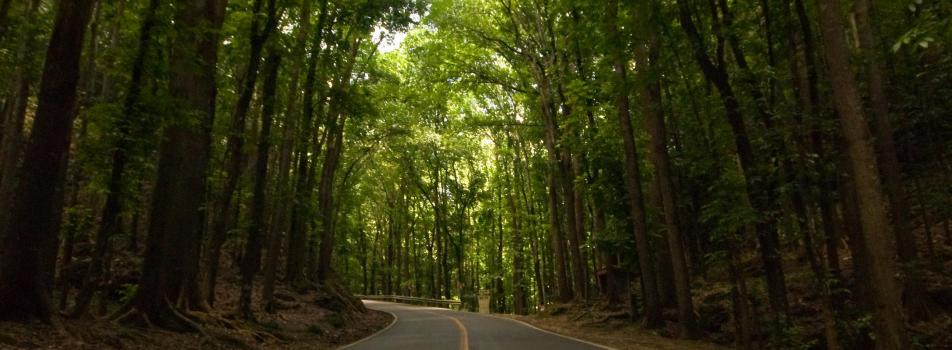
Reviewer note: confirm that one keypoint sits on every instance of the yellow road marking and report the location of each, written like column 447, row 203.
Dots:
column 463, row 334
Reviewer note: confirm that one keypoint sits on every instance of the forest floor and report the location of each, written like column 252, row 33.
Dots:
column 308, row 320
column 610, row 326
column 600, row 326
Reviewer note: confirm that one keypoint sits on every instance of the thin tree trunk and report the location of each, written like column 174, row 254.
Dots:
column 650, row 98
column 564, row 283
column 109, row 223
column 282, row 210
column 252, row 259
column 134, row 232
column 518, row 168
column 236, row 139
column 759, row 190
column 297, row 237
column 927, row 225
column 636, row 206
column 329, row 169
column 744, row 323
column 579, row 205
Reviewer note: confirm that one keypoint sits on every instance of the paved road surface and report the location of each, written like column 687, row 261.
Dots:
column 426, row 328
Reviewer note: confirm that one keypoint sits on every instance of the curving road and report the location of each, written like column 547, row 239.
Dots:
column 418, row 327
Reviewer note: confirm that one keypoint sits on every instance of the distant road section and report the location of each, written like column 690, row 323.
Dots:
column 418, row 327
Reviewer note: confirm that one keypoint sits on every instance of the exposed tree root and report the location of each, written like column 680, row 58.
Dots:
column 232, row 322
column 581, row 315
column 58, row 326
column 220, row 321
column 185, row 320
column 214, row 328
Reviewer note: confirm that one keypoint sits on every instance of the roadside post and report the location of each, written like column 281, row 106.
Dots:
column 483, row 301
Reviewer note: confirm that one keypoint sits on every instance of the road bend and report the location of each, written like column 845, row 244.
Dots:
column 428, row 328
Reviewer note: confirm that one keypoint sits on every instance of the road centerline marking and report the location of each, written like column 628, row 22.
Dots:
column 463, row 333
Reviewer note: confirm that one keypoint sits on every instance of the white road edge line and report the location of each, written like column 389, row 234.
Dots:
column 600, row 346
column 395, row 318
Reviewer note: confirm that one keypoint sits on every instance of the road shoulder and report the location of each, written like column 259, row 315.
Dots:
column 613, row 336
column 393, row 322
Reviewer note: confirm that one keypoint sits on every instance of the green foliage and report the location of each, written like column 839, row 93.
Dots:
column 727, row 213
column 127, row 292
column 455, row 138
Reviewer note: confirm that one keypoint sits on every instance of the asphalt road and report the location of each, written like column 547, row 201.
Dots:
column 427, row 328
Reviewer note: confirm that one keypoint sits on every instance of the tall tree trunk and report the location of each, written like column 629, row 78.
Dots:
column 134, row 231
column 744, row 317
column 29, row 248
column 252, row 258
column 519, row 168
column 519, row 297
column 853, row 231
column 283, row 207
column 650, row 97
column 4, row 12
column 563, row 285
column 170, row 265
column 636, row 205
column 759, row 190
column 297, row 237
column 574, row 216
column 236, row 139
column 803, row 71
column 664, row 270
column 11, row 148
column 873, row 204
column 563, row 281
column 914, row 291
column 109, row 222
column 338, row 119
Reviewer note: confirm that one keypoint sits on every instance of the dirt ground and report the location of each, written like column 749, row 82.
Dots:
column 303, row 321
column 607, row 329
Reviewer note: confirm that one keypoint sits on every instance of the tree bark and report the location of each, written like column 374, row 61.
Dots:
column 11, row 145
column 29, row 248
column 283, row 207
column 338, row 119
column 879, row 238
column 297, row 237
column 4, row 11
column 650, row 97
column 519, row 295
column 236, row 139
column 636, row 205
column 914, row 291
column 761, row 195
column 251, row 260
column 170, row 265
column 109, row 222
